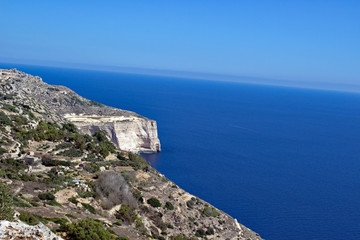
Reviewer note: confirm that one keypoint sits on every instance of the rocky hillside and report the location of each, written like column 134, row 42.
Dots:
column 78, row 184
column 128, row 130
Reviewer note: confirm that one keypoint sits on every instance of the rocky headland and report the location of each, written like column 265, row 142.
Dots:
column 69, row 170
column 127, row 130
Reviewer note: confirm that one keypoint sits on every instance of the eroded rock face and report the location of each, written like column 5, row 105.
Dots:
column 127, row 133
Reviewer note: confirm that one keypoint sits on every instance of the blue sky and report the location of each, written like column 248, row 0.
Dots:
column 299, row 41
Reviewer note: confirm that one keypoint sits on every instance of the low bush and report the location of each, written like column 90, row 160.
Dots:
column 85, row 194
column 126, row 213
column 48, row 161
column 2, row 151
column 154, row 202
column 92, row 167
column 63, row 145
column 70, row 216
column 88, row 207
column 190, row 204
column 73, row 200
column 6, row 203
column 169, row 206
column 9, row 108
column 54, row 203
column 72, row 152
column 210, row 212
column 200, row 232
column 46, row 196
column 210, row 231
column 87, row 229
column 29, row 218
column 4, row 119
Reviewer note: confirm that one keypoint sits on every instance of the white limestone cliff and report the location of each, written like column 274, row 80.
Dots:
column 129, row 133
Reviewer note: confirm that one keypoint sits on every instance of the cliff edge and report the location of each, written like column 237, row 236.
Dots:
column 129, row 131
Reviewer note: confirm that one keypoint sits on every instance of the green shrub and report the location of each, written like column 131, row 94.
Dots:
column 63, row 145
column 138, row 196
column 72, row 152
column 87, row 229
column 54, row 203
column 9, row 108
column 29, row 218
column 4, row 119
column 190, row 204
column 126, row 213
column 210, row 212
column 70, row 216
column 88, row 207
column 200, row 232
column 169, row 206
column 122, row 238
column 2, row 151
column 138, row 160
column 70, row 127
column 46, row 196
column 154, row 202
column 53, row 89
column 85, row 194
column 48, row 161
column 73, row 200
column 92, row 167
column 180, row 237
column 210, row 231
column 19, row 120
column 93, row 103
column 6, row 203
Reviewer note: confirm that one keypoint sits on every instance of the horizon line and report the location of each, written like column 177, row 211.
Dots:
column 325, row 86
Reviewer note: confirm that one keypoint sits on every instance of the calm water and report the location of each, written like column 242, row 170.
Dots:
column 285, row 162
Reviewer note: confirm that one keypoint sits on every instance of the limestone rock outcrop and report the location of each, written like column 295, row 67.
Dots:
column 127, row 133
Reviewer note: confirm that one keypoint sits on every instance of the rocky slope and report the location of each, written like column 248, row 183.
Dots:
column 19, row 230
column 80, row 186
column 128, row 130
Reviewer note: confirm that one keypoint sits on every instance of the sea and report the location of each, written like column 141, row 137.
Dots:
column 285, row 162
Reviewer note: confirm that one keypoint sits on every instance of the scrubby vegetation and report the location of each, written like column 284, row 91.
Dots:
column 154, row 202
column 4, row 119
column 210, row 212
column 50, row 162
column 87, row 229
column 169, row 206
column 6, row 203
column 126, row 214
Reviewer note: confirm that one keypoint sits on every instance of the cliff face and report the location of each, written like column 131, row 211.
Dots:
column 127, row 133
column 128, row 130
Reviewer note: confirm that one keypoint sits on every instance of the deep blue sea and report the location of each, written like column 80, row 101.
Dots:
column 284, row 161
